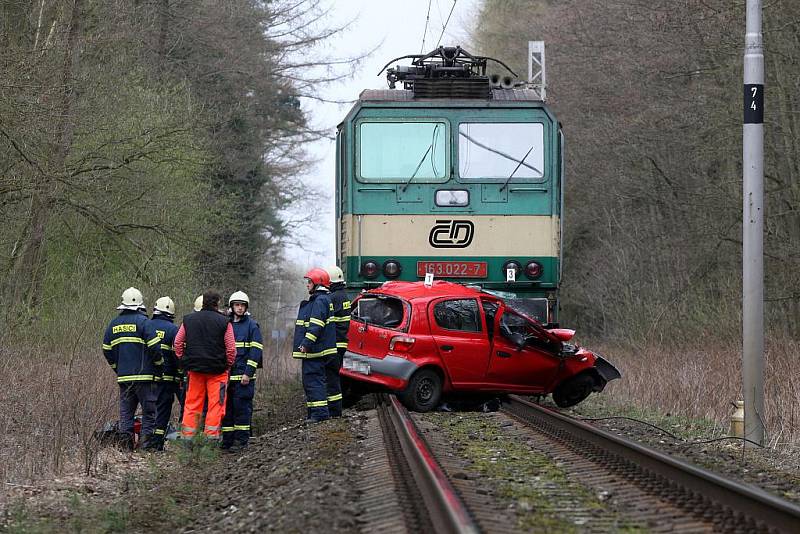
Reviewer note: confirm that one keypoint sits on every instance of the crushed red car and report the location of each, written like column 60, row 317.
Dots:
column 422, row 341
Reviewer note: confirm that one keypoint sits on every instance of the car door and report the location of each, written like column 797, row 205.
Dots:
column 459, row 331
column 527, row 369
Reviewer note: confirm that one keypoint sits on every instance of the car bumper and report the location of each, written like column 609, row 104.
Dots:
column 606, row 371
column 390, row 372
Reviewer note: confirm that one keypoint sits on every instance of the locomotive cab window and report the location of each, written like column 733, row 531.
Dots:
column 403, row 151
column 501, row 151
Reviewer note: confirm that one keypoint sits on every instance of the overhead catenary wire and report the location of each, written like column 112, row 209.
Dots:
column 446, row 22
column 425, row 33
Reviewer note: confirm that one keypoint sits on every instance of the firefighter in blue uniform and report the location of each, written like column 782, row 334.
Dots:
column 341, row 321
column 169, row 386
column 129, row 346
column 315, row 342
column 241, row 384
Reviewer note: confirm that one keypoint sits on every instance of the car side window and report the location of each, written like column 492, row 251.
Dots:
column 458, row 314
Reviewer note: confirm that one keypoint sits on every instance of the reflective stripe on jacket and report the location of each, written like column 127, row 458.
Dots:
column 129, row 346
column 341, row 314
column 166, row 330
column 313, row 330
column 249, row 347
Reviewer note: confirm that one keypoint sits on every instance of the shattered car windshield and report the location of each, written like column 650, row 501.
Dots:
column 534, row 309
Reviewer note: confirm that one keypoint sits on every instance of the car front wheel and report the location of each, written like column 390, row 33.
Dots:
column 423, row 391
column 573, row 390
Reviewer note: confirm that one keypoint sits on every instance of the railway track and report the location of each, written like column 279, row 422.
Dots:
column 404, row 480
column 668, row 494
column 414, row 481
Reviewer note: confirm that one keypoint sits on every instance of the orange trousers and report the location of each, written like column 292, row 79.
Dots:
column 204, row 386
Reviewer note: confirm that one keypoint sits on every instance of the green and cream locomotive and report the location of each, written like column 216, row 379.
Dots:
column 458, row 174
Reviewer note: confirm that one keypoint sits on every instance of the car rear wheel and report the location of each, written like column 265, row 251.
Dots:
column 423, row 392
column 573, row 390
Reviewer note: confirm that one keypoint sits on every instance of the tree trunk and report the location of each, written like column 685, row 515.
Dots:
column 24, row 283
column 163, row 26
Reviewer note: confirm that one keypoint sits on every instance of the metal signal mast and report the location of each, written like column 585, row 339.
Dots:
column 753, row 228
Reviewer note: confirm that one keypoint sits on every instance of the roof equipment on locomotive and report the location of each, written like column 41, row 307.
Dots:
column 447, row 72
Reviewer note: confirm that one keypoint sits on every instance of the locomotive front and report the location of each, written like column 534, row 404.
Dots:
column 453, row 175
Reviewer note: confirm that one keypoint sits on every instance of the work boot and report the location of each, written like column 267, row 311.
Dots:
column 236, row 446
column 153, row 444
column 315, row 420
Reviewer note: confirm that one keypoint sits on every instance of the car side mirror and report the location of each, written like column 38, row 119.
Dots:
column 518, row 340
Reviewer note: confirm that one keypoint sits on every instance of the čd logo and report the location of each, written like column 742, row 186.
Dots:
column 447, row 233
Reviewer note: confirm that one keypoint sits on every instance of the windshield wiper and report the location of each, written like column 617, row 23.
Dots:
column 500, row 153
column 528, row 153
column 425, row 155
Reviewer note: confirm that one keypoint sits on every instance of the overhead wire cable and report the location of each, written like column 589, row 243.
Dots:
column 446, row 22
column 425, row 33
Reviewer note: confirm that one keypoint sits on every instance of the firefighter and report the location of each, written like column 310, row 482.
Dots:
column 241, row 384
column 341, row 321
column 169, row 387
column 129, row 346
column 206, row 347
column 315, row 342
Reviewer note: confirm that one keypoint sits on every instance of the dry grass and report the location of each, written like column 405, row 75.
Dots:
column 53, row 403
column 702, row 382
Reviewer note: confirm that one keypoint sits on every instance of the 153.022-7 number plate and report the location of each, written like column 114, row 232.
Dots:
column 453, row 269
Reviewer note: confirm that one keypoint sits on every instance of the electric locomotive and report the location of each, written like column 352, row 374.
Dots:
column 454, row 173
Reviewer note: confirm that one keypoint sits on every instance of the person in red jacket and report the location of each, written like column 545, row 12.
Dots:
column 206, row 346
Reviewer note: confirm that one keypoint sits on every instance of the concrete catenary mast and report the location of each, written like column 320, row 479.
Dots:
column 753, row 228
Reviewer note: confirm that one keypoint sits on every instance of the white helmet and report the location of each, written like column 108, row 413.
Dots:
column 164, row 305
column 198, row 303
column 239, row 296
column 132, row 299
column 335, row 273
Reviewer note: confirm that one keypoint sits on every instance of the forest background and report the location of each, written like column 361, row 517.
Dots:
column 650, row 97
column 157, row 143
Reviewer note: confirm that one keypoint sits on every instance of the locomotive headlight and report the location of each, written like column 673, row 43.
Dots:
column 369, row 269
column 391, row 269
column 452, row 197
column 533, row 270
column 512, row 264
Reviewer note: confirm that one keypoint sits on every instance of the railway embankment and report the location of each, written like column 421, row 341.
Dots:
column 296, row 477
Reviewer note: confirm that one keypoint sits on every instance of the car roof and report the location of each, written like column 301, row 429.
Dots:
column 412, row 291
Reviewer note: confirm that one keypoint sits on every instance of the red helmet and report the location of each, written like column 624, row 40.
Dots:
column 319, row 277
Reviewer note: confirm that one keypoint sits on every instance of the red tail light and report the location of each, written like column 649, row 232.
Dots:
column 533, row 269
column 369, row 269
column 401, row 343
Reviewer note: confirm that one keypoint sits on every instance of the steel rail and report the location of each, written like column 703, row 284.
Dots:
column 447, row 511
column 773, row 512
